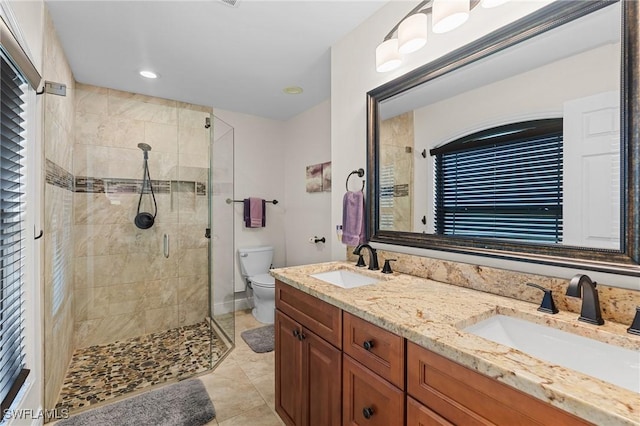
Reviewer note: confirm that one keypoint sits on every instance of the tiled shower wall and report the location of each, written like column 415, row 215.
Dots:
column 58, row 212
column 124, row 284
column 396, row 168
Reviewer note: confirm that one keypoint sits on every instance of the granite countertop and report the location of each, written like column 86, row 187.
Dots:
column 433, row 314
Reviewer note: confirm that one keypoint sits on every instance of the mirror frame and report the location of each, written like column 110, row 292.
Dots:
column 625, row 261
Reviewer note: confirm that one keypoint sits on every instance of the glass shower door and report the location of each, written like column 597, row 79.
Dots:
column 221, row 245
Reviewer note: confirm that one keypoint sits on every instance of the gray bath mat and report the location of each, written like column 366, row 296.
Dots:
column 261, row 339
column 184, row 403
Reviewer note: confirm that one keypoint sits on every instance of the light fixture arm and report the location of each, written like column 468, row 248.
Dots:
column 425, row 6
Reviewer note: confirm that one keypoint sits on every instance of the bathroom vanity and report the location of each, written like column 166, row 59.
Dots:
column 395, row 352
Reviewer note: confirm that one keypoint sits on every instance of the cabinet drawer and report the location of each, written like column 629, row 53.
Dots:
column 419, row 415
column 320, row 317
column 368, row 399
column 379, row 350
column 464, row 396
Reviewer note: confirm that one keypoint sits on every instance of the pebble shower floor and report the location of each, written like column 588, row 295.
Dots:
column 104, row 372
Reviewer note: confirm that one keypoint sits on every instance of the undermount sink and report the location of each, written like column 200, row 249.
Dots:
column 613, row 364
column 345, row 279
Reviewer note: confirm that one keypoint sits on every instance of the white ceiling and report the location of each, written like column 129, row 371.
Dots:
column 208, row 53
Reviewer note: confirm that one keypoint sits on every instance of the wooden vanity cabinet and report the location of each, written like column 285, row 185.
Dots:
column 376, row 348
column 465, row 397
column 308, row 367
column 419, row 415
column 373, row 374
column 368, row 399
column 334, row 368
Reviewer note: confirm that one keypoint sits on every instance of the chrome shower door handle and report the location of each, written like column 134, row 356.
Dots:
column 166, row 246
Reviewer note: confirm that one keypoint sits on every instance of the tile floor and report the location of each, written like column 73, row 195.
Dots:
column 242, row 387
column 98, row 374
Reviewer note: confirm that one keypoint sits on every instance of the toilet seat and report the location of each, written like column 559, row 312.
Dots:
column 263, row 280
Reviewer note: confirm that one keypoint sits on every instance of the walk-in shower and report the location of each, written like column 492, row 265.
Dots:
column 137, row 314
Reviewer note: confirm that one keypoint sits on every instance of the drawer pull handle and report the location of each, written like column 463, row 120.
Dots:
column 367, row 412
column 368, row 344
column 299, row 334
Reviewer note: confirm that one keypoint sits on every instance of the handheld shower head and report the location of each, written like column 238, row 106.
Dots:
column 145, row 148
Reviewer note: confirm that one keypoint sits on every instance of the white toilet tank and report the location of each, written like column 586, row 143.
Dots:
column 255, row 260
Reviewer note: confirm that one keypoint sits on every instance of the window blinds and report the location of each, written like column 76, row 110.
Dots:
column 12, row 371
column 511, row 188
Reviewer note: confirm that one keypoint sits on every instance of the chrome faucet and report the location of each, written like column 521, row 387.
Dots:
column 590, row 311
column 373, row 256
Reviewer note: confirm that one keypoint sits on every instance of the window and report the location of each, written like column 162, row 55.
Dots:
column 504, row 182
column 12, row 232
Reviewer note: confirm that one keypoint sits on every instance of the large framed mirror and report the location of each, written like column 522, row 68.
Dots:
column 521, row 145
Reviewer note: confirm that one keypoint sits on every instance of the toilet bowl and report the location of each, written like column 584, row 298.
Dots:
column 254, row 265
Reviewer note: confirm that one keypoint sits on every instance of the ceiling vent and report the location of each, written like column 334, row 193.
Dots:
column 231, row 3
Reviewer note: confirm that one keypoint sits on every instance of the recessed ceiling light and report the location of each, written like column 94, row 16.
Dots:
column 292, row 90
column 148, row 74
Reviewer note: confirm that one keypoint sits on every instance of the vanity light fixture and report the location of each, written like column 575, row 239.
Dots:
column 410, row 34
column 148, row 74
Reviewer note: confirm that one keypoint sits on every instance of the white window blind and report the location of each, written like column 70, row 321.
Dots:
column 387, row 183
column 504, row 182
column 12, row 223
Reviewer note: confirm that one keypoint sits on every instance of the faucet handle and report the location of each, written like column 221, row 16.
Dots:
column 360, row 262
column 635, row 325
column 547, row 304
column 386, row 269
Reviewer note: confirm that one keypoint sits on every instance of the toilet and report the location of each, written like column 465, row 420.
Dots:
column 254, row 265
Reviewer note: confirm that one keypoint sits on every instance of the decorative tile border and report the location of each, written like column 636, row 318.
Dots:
column 93, row 185
column 58, row 176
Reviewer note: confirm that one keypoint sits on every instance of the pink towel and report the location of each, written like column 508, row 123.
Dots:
column 254, row 213
column 353, row 218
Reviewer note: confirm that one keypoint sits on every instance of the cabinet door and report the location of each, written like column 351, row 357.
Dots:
column 322, row 366
column 289, row 380
column 368, row 399
column 419, row 415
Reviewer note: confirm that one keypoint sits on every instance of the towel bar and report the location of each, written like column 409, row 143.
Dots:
column 229, row 201
column 360, row 173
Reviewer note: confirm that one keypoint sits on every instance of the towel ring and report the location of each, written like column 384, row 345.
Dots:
column 360, row 173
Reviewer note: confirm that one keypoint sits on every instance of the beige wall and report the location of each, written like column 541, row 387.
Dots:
column 58, row 200
column 124, row 284
column 307, row 141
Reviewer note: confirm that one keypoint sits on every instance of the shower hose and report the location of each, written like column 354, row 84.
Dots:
column 145, row 220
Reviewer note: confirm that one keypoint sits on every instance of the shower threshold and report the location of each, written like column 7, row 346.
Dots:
column 102, row 373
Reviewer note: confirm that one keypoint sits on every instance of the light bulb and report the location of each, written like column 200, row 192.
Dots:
column 449, row 14
column 148, row 74
column 412, row 33
column 387, row 56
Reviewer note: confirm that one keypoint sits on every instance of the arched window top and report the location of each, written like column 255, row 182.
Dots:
column 514, row 132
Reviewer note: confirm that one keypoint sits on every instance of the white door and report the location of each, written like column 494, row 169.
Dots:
column 591, row 208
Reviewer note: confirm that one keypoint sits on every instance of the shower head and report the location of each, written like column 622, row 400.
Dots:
column 145, row 147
